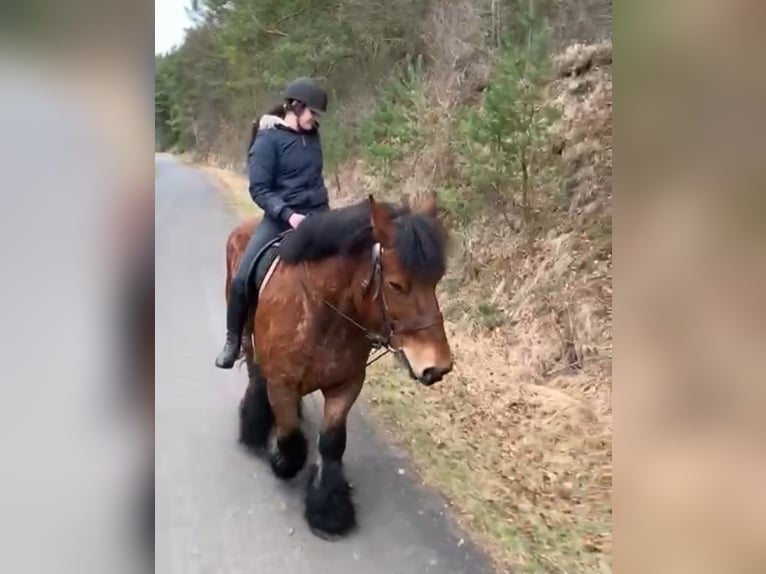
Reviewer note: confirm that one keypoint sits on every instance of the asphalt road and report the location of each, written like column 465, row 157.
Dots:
column 219, row 509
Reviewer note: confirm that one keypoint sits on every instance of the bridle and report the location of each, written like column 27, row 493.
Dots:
column 391, row 327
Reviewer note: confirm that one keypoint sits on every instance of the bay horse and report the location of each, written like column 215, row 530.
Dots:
column 344, row 282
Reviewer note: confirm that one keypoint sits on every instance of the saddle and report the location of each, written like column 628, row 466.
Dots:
column 262, row 267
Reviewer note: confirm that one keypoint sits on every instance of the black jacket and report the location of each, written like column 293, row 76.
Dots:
column 285, row 170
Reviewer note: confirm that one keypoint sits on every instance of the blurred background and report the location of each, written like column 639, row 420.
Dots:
column 76, row 294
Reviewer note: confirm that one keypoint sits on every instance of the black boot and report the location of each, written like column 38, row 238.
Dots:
column 236, row 315
column 230, row 351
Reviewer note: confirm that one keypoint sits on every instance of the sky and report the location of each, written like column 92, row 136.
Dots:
column 169, row 22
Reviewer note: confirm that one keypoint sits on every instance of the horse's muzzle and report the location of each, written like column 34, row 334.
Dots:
column 433, row 375
column 429, row 376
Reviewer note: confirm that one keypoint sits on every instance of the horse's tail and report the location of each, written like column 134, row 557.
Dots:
column 230, row 263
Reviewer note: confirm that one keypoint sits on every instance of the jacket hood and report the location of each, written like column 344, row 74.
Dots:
column 270, row 121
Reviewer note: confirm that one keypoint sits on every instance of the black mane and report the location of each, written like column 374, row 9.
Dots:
column 420, row 241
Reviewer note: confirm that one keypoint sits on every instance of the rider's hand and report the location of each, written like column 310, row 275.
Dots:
column 295, row 220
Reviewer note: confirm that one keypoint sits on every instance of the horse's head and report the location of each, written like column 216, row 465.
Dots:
column 410, row 263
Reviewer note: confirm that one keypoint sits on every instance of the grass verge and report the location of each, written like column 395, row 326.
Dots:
column 234, row 186
column 527, row 469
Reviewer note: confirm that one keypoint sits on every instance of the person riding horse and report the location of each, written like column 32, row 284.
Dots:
column 285, row 170
column 343, row 282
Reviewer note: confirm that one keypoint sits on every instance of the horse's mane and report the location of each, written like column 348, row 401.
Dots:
column 420, row 241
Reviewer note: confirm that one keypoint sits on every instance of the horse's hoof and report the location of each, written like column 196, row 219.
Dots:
column 326, row 536
column 330, row 512
column 289, row 455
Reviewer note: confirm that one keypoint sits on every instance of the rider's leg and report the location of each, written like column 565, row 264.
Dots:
column 236, row 312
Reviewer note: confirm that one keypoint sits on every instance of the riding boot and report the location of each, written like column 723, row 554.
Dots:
column 236, row 315
column 230, row 351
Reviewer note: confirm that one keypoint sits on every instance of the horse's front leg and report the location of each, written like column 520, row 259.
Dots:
column 329, row 509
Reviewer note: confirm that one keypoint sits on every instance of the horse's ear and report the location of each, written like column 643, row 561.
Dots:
column 382, row 225
column 429, row 204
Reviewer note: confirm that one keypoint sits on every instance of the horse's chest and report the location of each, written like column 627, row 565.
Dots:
column 317, row 348
column 319, row 363
column 336, row 360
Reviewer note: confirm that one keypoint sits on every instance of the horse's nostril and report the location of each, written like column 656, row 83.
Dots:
column 432, row 375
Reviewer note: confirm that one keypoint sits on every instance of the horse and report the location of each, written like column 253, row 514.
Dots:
column 344, row 282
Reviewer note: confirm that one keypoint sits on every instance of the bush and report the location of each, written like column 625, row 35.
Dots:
column 391, row 132
column 501, row 140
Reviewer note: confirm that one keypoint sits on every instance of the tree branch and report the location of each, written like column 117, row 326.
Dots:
column 291, row 16
column 271, row 31
column 336, row 60
column 274, row 32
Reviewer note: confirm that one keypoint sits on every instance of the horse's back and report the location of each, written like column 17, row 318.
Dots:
column 237, row 240
column 236, row 243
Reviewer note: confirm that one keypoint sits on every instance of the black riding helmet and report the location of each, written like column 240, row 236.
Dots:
column 307, row 91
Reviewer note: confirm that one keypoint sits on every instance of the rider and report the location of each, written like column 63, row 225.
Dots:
column 285, row 169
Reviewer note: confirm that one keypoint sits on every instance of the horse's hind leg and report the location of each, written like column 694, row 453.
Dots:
column 329, row 509
column 255, row 415
column 290, row 451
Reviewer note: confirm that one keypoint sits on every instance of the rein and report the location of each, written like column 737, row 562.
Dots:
column 392, row 327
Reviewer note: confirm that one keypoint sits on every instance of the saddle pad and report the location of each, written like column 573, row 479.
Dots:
column 270, row 271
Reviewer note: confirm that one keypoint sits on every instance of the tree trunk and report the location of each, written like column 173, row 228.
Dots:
column 525, row 186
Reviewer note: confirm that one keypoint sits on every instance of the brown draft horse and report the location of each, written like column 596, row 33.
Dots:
column 347, row 280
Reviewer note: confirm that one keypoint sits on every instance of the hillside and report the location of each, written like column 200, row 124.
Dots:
column 505, row 108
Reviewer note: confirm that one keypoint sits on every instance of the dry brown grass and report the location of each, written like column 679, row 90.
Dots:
column 519, row 438
column 234, row 184
column 456, row 38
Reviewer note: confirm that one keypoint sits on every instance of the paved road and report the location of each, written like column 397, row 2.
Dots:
column 220, row 510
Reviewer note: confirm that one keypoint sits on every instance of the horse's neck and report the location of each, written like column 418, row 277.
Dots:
column 339, row 281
